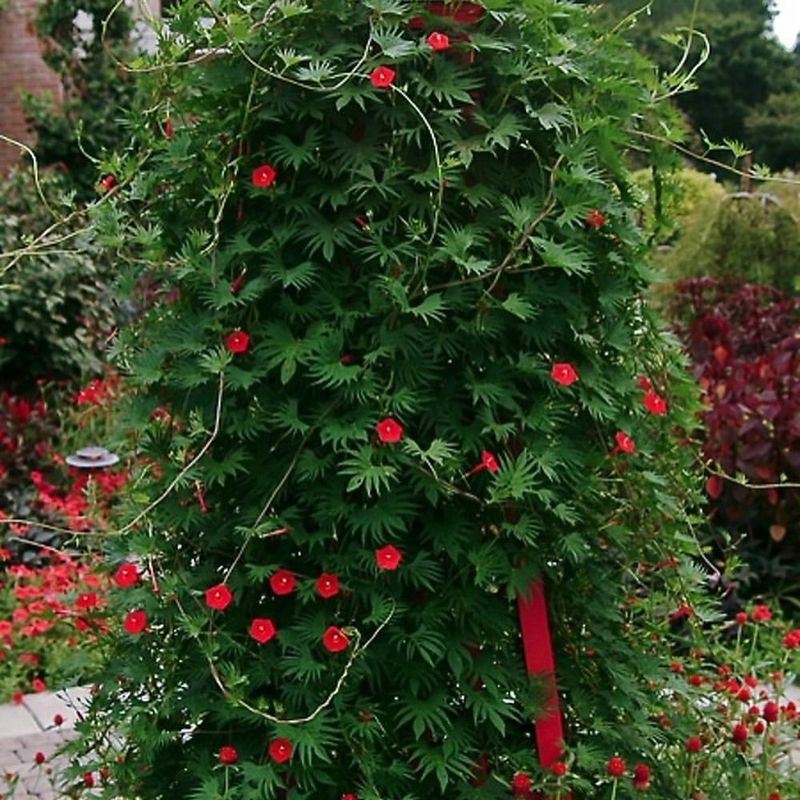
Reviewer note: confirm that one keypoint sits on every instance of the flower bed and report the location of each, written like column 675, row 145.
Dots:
column 53, row 592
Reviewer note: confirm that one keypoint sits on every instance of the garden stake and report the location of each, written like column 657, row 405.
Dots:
column 537, row 644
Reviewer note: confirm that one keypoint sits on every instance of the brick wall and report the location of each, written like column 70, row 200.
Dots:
column 21, row 67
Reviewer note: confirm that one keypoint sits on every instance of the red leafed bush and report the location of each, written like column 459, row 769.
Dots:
column 744, row 341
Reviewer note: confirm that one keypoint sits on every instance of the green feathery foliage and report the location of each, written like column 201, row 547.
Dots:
column 331, row 255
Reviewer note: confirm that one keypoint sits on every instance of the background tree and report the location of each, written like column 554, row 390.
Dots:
column 87, row 55
column 747, row 78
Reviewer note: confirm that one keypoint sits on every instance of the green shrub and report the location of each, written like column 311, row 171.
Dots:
column 753, row 237
column 56, row 308
column 396, row 377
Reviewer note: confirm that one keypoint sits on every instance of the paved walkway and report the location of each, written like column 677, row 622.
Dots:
column 28, row 729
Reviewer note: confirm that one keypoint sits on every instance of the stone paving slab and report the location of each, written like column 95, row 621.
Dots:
column 28, row 728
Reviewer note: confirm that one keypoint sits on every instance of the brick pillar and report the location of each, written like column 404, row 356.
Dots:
column 21, row 68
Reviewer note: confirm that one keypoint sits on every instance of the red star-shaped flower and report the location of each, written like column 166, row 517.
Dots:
column 327, row 585
column 238, row 342
column 388, row 557
column 219, row 597
column 595, row 219
column 654, row 403
column 564, row 374
column 127, row 575
column 262, row 630
column 264, row 176
column 135, row 622
column 624, row 443
column 488, row 461
column 283, row 582
column 438, row 41
column 382, row 77
column 335, row 640
column 390, row 431
column 280, row 750
column 228, row 754
column 108, row 183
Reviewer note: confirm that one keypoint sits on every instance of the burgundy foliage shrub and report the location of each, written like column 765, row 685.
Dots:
column 744, row 342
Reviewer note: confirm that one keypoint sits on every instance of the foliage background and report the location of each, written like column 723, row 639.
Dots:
column 761, row 110
column 374, row 280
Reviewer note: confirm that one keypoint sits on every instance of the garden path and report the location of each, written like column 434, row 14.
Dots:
column 29, row 728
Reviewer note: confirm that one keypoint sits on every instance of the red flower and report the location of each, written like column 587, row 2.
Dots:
column 108, row 183
column 761, row 613
column 349, row 797
column 88, row 780
column 438, row 41
column 382, row 77
column 616, row 767
column 135, row 622
column 792, row 639
column 771, row 712
column 564, row 374
column 654, row 403
column 327, row 585
column 388, row 557
column 559, row 769
column 219, row 597
column 740, row 733
column 595, row 219
column 390, row 431
column 264, row 176
column 521, row 785
column 238, row 342
column 283, row 582
column 280, row 750
column 641, row 777
column 335, row 639
column 488, row 461
column 38, row 685
column 644, row 383
column 684, row 611
column 624, row 443
column 40, row 758
column 87, row 600
column 58, row 720
column 228, row 754
column 127, row 575
column 262, row 630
